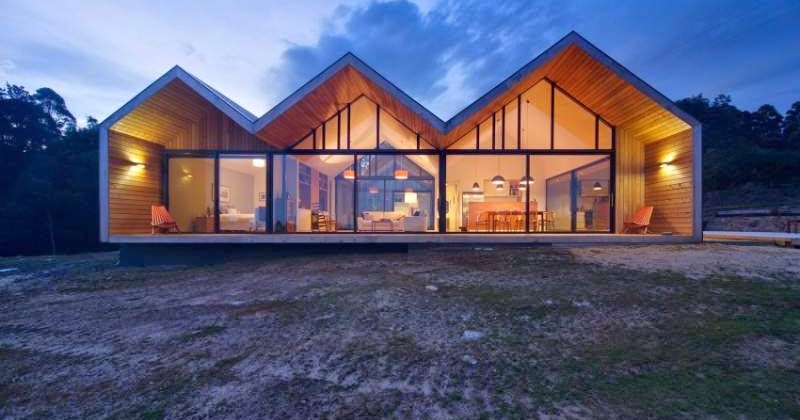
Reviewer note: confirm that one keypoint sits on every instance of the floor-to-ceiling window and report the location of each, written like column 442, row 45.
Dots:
column 572, row 192
column 486, row 193
column 242, row 193
column 191, row 193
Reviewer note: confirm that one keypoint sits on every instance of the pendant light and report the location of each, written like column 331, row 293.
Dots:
column 597, row 186
column 349, row 174
column 498, row 179
column 500, row 187
column 401, row 174
column 526, row 180
column 373, row 190
column 476, row 187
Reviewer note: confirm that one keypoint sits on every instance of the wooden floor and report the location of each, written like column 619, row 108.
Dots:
column 407, row 238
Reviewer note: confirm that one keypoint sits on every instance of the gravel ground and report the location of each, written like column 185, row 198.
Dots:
column 630, row 332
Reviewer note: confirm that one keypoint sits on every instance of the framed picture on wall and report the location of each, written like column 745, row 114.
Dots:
column 224, row 194
column 262, row 196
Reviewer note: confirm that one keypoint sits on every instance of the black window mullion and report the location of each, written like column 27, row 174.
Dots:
column 355, row 193
column 527, row 193
column 324, row 134
column 552, row 115
column 519, row 122
column 338, row 129
column 494, row 130
column 348, row 126
column 596, row 131
column 377, row 126
column 503, row 128
column 270, row 202
column 216, row 192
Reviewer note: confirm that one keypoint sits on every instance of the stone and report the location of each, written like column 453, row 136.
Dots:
column 471, row 335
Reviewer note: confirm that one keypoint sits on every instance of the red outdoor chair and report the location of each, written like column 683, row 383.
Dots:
column 640, row 220
column 162, row 221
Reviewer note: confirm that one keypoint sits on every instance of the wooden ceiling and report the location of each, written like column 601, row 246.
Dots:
column 596, row 86
column 176, row 117
column 334, row 93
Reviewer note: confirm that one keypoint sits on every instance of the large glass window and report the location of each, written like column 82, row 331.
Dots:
column 305, row 197
column 396, row 193
column 536, row 117
column 242, row 193
column 571, row 193
column 574, row 125
column 191, row 193
column 486, row 193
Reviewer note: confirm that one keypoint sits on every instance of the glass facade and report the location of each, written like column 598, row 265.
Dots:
column 541, row 162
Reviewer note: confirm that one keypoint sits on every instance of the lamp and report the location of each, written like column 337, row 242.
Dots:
column 401, row 174
column 349, row 174
column 373, row 190
column 259, row 163
column 499, row 187
column 410, row 198
column 597, row 186
column 476, row 187
column 525, row 180
column 498, row 179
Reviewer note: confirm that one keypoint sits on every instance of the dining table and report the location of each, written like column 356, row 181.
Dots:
column 538, row 214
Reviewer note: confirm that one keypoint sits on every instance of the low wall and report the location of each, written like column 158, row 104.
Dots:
column 752, row 219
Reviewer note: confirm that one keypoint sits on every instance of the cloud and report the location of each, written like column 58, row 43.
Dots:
column 441, row 56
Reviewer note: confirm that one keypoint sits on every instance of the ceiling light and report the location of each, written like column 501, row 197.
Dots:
column 475, row 186
column 401, row 174
column 373, row 190
column 349, row 174
column 259, row 163
column 498, row 180
column 597, row 186
column 526, row 180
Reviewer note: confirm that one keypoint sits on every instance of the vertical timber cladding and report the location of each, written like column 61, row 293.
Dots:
column 134, row 182
column 629, row 194
column 668, row 183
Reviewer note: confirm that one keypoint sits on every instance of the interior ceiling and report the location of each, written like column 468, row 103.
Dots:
column 324, row 101
column 172, row 113
column 597, row 87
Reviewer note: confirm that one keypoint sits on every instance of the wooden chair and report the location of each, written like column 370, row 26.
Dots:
column 161, row 221
column 483, row 221
column 639, row 222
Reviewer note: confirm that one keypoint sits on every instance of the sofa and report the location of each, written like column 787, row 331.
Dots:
column 367, row 221
column 399, row 222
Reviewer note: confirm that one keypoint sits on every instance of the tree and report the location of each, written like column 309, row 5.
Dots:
column 767, row 126
column 791, row 126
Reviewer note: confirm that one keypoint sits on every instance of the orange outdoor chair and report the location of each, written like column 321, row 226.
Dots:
column 162, row 221
column 640, row 220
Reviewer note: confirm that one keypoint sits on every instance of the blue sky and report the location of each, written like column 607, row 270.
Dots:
column 443, row 53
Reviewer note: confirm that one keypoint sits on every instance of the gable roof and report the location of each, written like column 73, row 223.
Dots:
column 218, row 100
column 325, row 87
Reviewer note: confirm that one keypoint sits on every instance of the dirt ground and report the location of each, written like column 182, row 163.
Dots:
column 614, row 332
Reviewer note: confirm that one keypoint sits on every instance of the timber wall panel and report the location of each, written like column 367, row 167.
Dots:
column 178, row 118
column 630, row 177
column 669, row 189
column 131, row 191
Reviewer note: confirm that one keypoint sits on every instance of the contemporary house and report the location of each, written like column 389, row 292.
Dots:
column 567, row 149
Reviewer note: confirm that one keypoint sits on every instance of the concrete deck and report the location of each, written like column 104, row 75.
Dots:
column 781, row 238
column 399, row 238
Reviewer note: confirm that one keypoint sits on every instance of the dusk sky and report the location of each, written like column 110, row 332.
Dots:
column 445, row 54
